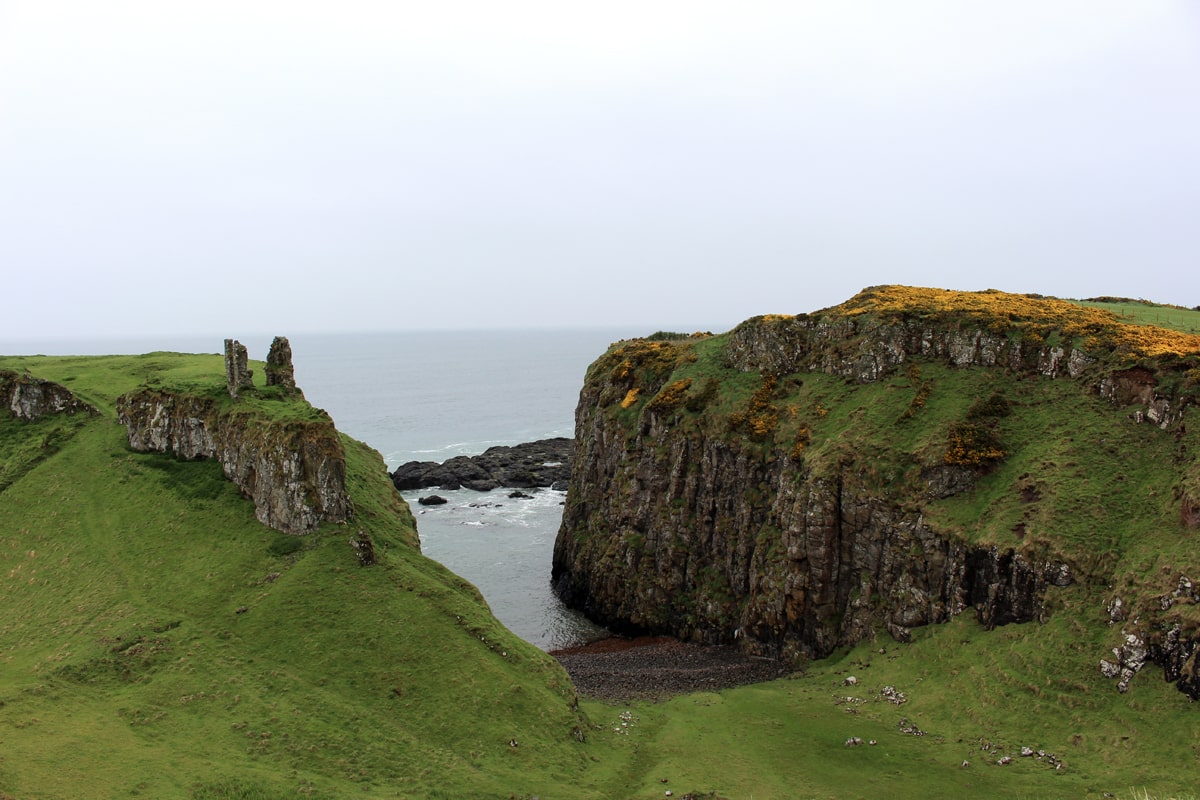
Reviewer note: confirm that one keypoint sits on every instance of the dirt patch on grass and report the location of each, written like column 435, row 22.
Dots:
column 650, row 668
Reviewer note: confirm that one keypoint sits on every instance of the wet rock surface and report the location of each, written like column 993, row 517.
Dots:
column 544, row 463
column 658, row 667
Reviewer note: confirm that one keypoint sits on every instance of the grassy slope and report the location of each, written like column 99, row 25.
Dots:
column 1025, row 685
column 156, row 640
column 1141, row 312
column 125, row 669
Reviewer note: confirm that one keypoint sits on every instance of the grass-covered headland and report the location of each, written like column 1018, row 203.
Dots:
column 157, row 640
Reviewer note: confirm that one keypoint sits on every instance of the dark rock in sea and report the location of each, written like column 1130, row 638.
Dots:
column 432, row 500
column 545, row 463
column 519, row 495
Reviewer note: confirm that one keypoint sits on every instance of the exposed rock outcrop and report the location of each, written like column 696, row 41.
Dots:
column 280, row 371
column 294, row 470
column 691, row 519
column 867, row 349
column 238, row 375
column 30, row 398
column 819, row 563
column 1156, row 635
column 543, row 463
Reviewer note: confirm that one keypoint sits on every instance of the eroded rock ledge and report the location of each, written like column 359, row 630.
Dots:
column 820, row 565
column 30, row 398
column 293, row 470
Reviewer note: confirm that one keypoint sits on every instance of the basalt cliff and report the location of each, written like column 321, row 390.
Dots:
column 804, row 483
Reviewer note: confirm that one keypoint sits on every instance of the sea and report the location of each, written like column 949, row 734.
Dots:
column 432, row 395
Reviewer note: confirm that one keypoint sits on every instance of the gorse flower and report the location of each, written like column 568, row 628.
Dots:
column 1033, row 316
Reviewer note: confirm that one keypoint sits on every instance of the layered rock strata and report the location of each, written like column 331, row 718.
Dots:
column 670, row 545
column 293, row 470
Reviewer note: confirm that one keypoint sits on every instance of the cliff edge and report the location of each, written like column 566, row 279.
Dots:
column 804, row 483
column 282, row 453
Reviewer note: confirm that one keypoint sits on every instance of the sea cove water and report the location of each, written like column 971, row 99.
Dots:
column 432, row 396
column 503, row 545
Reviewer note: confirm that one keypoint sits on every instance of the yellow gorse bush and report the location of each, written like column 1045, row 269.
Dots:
column 761, row 417
column 671, row 395
column 1033, row 315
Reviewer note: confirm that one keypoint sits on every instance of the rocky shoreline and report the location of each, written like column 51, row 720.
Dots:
column 654, row 668
column 542, row 464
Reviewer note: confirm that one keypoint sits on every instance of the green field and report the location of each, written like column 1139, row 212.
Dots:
column 157, row 641
column 1143, row 312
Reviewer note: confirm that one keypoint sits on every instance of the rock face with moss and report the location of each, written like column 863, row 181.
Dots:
column 30, row 398
column 282, row 453
column 293, row 470
column 804, row 483
column 279, row 366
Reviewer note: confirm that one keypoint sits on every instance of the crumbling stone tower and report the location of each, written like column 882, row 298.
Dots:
column 237, row 375
column 279, row 366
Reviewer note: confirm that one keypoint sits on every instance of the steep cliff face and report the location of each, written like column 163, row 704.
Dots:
column 30, row 398
column 710, row 541
column 803, row 483
column 294, row 469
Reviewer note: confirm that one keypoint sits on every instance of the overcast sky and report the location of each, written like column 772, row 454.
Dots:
column 284, row 167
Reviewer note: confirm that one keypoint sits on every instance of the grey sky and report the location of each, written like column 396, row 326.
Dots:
column 235, row 167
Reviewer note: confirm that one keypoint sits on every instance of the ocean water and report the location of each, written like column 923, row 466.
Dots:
column 429, row 396
column 432, row 396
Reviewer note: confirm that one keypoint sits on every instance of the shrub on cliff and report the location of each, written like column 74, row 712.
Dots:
column 761, row 417
column 994, row 406
column 671, row 396
column 972, row 444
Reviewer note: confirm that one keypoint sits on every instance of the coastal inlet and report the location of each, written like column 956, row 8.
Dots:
column 500, row 534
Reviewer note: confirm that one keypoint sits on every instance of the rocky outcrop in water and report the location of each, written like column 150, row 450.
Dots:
column 30, row 398
column 544, row 463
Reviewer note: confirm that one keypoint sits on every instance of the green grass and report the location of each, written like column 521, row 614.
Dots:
column 157, row 641
column 1032, row 686
column 1143, row 312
